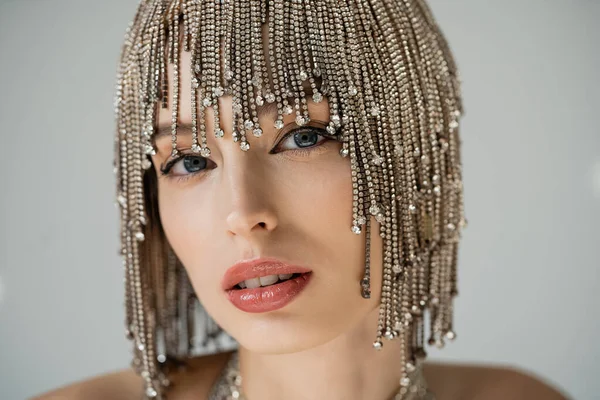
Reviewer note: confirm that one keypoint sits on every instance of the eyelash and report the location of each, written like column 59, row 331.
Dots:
column 301, row 152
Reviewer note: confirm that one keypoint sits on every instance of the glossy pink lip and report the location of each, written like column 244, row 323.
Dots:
column 268, row 298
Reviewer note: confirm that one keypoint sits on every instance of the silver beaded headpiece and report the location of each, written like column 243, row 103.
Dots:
column 394, row 100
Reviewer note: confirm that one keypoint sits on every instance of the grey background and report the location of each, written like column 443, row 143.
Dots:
column 531, row 152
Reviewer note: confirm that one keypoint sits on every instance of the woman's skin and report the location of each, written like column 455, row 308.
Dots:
column 291, row 201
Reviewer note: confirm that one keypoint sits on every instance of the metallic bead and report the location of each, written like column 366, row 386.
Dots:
column 149, row 150
column 218, row 91
column 301, row 120
column 336, row 120
column 205, row 152
column 374, row 209
column 377, row 159
column 450, row 335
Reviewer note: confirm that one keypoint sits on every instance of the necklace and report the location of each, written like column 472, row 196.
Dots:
column 229, row 384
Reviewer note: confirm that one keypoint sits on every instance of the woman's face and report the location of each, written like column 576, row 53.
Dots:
column 289, row 197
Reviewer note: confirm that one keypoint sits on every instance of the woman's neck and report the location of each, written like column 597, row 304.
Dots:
column 347, row 367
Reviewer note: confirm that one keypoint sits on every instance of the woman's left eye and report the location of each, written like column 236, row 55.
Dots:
column 301, row 139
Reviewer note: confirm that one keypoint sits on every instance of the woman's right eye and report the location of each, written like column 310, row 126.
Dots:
column 187, row 164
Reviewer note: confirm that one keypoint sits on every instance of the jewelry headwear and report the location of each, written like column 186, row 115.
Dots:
column 393, row 93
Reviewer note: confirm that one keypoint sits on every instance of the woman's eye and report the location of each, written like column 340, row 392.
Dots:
column 185, row 165
column 301, row 139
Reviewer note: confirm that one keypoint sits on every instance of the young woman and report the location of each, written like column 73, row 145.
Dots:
column 289, row 176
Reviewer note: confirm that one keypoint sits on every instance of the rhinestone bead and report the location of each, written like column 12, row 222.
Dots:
column 205, row 152
column 195, row 83
column 410, row 367
column 257, row 132
column 453, row 124
column 377, row 159
column 228, row 74
column 279, row 124
column 206, row 102
column 140, row 236
column 356, row 230
column 218, row 91
column 374, row 209
column 389, row 335
column 303, row 75
column 375, row 111
column 335, row 119
column 248, row 124
column 377, row 345
column 331, row 129
column 174, row 153
column 451, row 227
column 287, row 110
column 301, row 120
column 260, row 100
column 380, row 218
column 397, row 269
column 361, row 220
column 317, row 97
column 270, row 97
column 146, row 164
column 150, row 392
column 450, row 335
column 196, row 148
column 161, row 358
column 412, row 208
column 352, row 90
column 405, row 381
column 237, row 108
column 417, row 152
column 149, row 150
column 245, row 146
column 122, row 200
column 437, row 190
column 344, row 152
column 435, row 179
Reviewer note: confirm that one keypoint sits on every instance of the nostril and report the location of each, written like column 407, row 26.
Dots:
column 262, row 224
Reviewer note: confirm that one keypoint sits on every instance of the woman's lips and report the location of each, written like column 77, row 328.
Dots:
column 268, row 298
column 264, row 298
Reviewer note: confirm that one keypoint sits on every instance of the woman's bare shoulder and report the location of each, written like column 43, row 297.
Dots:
column 192, row 382
column 471, row 381
column 119, row 385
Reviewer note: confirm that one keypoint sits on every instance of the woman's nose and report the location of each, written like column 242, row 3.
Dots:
column 251, row 208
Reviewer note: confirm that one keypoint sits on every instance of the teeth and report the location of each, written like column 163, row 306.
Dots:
column 263, row 281
column 268, row 280
column 252, row 283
